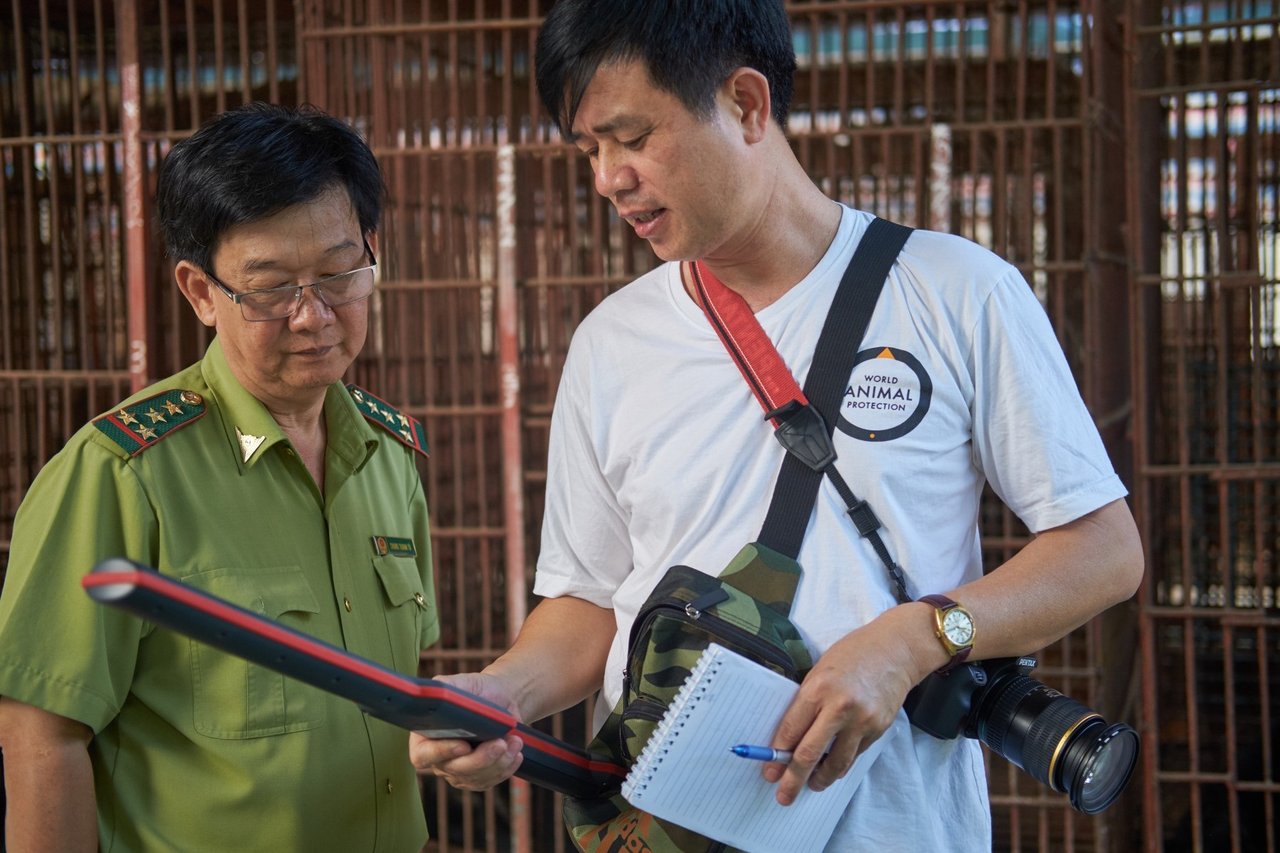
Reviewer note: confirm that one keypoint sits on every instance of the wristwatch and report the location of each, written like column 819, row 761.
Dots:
column 953, row 626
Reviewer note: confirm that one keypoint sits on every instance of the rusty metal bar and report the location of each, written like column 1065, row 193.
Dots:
column 81, row 332
column 242, row 37
column 133, row 177
column 517, row 593
column 454, row 26
column 219, row 57
column 54, row 304
column 8, row 285
column 273, row 37
column 27, row 168
column 169, row 86
column 193, row 90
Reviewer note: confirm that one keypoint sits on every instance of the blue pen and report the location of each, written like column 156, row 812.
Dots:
column 761, row 753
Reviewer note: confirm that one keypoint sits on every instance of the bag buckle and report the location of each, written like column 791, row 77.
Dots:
column 803, row 432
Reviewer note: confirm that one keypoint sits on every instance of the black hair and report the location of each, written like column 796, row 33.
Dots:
column 254, row 161
column 690, row 47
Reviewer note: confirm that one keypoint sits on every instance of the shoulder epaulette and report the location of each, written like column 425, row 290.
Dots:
column 406, row 428
column 138, row 426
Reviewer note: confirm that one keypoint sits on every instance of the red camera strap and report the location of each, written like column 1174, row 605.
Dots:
column 735, row 323
column 803, row 427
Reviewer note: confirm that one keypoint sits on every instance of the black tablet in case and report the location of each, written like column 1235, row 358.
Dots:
column 425, row 705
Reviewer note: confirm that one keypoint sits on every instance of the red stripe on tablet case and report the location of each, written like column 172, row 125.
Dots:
column 408, row 701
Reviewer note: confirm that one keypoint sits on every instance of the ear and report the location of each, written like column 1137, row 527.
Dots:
column 748, row 91
column 372, row 239
column 198, row 291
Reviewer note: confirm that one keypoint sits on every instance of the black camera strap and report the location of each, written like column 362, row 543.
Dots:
column 804, row 420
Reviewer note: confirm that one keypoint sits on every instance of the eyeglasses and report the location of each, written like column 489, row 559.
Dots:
column 276, row 303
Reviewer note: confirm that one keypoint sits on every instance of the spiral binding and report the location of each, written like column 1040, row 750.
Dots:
column 672, row 723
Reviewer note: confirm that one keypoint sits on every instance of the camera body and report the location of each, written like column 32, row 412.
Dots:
column 947, row 704
column 1059, row 741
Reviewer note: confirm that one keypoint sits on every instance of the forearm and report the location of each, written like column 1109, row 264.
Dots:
column 1057, row 582
column 558, row 659
column 49, row 791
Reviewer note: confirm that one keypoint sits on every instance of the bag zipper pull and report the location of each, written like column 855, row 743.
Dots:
column 710, row 598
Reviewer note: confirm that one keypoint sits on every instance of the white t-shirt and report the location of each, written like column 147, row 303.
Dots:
column 660, row 455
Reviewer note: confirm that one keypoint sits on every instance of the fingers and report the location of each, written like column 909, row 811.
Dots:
column 847, row 746
column 799, row 732
column 827, row 725
column 810, row 764
column 471, row 768
column 426, row 753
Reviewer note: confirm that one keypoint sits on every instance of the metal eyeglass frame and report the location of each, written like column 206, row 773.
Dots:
column 238, row 298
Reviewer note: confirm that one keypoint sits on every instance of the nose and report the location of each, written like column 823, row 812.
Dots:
column 613, row 174
column 313, row 311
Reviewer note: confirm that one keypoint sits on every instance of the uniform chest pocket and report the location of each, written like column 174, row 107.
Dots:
column 405, row 609
column 234, row 699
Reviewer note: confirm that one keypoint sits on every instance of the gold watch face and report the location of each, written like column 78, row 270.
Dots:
column 957, row 625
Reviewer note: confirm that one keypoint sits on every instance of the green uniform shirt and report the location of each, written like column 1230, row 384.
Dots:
column 193, row 748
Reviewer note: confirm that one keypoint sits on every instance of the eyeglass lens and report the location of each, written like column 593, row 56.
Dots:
column 337, row 290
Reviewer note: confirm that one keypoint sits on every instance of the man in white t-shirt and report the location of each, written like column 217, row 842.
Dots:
column 659, row 454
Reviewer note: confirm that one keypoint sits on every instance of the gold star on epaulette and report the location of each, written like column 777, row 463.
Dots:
column 405, row 428
column 167, row 412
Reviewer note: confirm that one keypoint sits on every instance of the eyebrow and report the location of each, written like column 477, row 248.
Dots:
column 255, row 265
column 614, row 124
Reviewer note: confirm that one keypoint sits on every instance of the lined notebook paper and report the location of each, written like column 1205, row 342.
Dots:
column 687, row 775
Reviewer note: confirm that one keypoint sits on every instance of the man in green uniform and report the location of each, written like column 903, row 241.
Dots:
column 257, row 476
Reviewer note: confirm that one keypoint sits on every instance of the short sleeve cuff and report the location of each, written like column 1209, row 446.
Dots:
column 548, row 585
column 56, row 695
column 1067, row 508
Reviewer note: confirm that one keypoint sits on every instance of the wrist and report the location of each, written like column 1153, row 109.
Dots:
column 924, row 654
column 504, row 682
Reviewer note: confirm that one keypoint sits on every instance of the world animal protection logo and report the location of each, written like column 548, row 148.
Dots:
column 887, row 396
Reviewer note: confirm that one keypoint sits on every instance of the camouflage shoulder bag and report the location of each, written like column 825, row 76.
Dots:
column 747, row 606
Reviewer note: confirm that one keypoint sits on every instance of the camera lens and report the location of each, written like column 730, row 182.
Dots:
column 1102, row 758
column 1059, row 741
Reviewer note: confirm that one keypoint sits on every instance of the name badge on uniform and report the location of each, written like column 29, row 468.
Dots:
column 391, row 546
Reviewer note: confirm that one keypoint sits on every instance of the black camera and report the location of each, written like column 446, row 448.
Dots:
column 1064, row 744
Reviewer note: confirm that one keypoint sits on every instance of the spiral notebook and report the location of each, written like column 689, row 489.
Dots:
column 687, row 775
